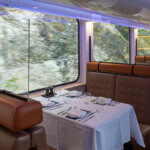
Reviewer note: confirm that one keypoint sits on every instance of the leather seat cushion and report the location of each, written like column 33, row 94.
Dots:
column 116, row 68
column 14, row 141
column 147, row 58
column 140, row 58
column 141, row 70
column 38, row 137
column 17, row 115
column 92, row 66
column 100, row 84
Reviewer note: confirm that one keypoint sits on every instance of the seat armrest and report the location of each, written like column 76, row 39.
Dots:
column 29, row 115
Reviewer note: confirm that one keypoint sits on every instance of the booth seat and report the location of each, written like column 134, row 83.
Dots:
column 18, row 120
column 125, row 83
column 145, row 60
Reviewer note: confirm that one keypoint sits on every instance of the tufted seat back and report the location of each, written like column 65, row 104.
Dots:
column 100, row 84
column 133, row 87
column 135, row 91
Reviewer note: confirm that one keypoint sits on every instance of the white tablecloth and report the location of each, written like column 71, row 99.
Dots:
column 111, row 127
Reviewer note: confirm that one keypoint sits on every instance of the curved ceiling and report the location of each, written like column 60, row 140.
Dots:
column 136, row 10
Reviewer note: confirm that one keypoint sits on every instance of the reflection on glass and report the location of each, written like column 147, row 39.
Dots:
column 111, row 43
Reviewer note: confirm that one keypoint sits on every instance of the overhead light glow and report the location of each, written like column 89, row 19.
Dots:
column 89, row 25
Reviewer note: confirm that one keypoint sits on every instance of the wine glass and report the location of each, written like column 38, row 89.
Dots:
column 87, row 99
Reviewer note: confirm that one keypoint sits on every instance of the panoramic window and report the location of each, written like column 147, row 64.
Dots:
column 111, row 43
column 53, row 45
column 143, row 42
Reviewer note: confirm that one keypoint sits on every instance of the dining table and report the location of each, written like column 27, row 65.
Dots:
column 104, row 126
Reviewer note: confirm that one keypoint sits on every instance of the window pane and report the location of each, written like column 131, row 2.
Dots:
column 111, row 43
column 143, row 42
column 54, row 50
column 53, row 45
column 13, row 50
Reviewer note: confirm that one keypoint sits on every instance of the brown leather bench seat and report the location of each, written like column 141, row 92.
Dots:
column 144, row 60
column 17, row 114
column 125, row 83
column 14, row 141
column 37, row 137
column 100, row 84
column 18, row 118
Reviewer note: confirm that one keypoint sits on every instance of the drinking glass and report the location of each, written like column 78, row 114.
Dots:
column 87, row 98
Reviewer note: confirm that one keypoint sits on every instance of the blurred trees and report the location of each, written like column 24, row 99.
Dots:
column 143, row 42
column 53, row 46
column 111, row 43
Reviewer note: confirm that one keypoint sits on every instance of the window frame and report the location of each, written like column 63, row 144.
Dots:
column 90, row 50
column 57, row 85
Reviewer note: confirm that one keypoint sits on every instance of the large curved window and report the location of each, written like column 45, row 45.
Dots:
column 53, row 45
column 111, row 43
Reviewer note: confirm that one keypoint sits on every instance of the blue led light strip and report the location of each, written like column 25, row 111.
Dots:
column 70, row 11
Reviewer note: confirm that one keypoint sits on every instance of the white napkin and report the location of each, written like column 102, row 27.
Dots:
column 62, row 92
column 74, row 93
column 103, row 100
column 76, row 113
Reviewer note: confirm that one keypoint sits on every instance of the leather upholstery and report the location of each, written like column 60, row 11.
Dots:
column 12, row 95
column 135, row 91
column 128, row 89
column 140, row 58
column 38, row 138
column 147, row 58
column 100, row 84
column 14, row 141
column 92, row 66
column 17, row 115
column 141, row 70
column 116, row 68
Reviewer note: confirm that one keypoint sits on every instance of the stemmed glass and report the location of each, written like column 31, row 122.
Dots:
column 87, row 99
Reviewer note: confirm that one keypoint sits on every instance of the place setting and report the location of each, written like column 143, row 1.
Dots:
column 77, row 114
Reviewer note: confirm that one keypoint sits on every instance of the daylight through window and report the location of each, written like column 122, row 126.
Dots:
column 53, row 46
column 111, row 43
column 143, row 42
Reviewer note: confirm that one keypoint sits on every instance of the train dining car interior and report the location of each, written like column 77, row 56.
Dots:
column 74, row 75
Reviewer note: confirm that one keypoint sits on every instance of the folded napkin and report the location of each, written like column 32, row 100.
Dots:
column 76, row 113
column 74, row 93
column 62, row 92
column 103, row 100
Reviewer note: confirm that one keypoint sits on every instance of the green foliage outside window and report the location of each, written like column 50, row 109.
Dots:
column 53, row 46
column 111, row 43
column 143, row 42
